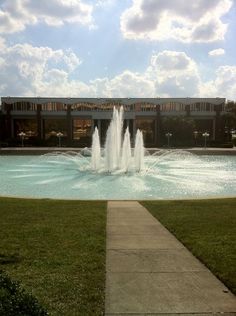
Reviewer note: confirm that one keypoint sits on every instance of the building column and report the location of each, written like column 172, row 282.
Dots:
column 214, row 130
column 69, row 125
column 12, row 128
column 134, row 129
column 1, row 129
column 158, row 126
column 187, row 109
column 39, row 121
column 9, row 123
column 218, row 109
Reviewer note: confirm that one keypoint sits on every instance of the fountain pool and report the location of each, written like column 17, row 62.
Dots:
column 167, row 175
column 118, row 172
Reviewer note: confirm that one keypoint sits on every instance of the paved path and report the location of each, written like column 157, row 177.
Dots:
column 149, row 272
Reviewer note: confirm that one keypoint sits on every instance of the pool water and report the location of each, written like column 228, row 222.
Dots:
column 176, row 175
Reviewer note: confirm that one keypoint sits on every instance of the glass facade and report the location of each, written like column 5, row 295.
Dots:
column 145, row 107
column 28, row 126
column 52, row 126
column 108, row 107
column 82, row 131
column 147, row 126
column 202, row 106
column 24, row 106
column 54, row 106
column 173, row 106
column 146, row 114
column 83, row 106
column 203, row 126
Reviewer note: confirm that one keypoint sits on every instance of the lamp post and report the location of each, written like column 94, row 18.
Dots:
column 22, row 136
column 195, row 134
column 168, row 135
column 59, row 135
column 205, row 135
column 233, row 136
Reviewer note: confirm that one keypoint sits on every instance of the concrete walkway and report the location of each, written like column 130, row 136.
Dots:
column 149, row 272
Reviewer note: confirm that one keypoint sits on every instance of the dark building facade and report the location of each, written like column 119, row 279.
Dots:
column 42, row 118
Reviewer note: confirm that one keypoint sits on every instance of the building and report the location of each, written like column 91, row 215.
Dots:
column 42, row 118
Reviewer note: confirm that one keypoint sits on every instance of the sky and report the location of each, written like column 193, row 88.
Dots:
column 118, row 48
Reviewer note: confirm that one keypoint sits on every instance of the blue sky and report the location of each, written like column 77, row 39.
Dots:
column 118, row 48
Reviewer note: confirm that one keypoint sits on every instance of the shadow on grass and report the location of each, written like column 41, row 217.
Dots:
column 9, row 259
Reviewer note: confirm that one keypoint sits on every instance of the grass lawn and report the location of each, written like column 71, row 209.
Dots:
column 56, row 249
column 207, row 228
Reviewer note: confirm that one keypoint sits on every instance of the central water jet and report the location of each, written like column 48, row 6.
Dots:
column 117, row 155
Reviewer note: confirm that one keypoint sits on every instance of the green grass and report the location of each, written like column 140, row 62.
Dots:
column 207, row 228
column 56, row 249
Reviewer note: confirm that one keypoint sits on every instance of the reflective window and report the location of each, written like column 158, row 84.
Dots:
column 53, row 126
column 144, row 107
column 54, row 106
column 147, row 126
column 87, row 106
column 24, row 106
column 203, row 126
column 202, row 106
column 82, row 129
column 173, row 106
column 28, row 126
column 83, row 106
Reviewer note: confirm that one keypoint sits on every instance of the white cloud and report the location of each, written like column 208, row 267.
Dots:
column 16, row 15
column 71, row 60
column 223, row 85
column 172, row 61
column 186, row 21
column 216, row 52
column 126, row 84
column 104, row 3
column 174, row 73
column 25, row 67
column 28, row 70
column 226, row 81
column 2, row 43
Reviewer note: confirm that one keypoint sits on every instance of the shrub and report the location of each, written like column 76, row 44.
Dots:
column 228, row 145
column 15, row 301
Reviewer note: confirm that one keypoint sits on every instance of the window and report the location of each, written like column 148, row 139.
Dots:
column 82, row 129
column 53, row 126
column 28, row 126
column 54, row 106
column 147, row 126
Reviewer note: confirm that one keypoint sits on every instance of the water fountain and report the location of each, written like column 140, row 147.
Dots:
column 118, row 171
column 117, row 156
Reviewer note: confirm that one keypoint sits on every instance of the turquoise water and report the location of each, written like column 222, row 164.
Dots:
column 175, row 175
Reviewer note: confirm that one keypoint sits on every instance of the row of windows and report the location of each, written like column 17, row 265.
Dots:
column 143, row 107
column 54, row 106
column 202, row 106
column 81, row 128
column 24, row 106
column 172, row 106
